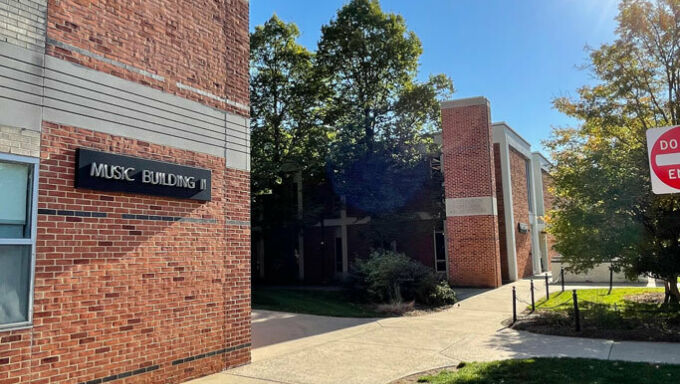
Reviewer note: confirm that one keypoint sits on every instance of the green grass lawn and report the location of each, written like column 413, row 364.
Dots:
column 563, row 300
column 311, row 301
column 625, row 314
column 558, row 371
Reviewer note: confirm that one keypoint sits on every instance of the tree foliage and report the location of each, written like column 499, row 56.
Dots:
column 285, row 98
column 370, row 59
column 382, row 114
column 287, row 136
column 606, row 209
column 390, row 277
column 351, row 118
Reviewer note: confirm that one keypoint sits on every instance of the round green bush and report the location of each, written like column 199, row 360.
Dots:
column 389, row 277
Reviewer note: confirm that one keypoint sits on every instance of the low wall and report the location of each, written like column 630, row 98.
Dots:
column 599, row 274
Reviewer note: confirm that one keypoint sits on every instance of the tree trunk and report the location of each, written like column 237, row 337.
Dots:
column 673, row 290
column 368, row 130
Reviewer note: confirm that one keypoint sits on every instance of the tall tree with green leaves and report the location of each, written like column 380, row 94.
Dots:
column 370, row 60
column 285, row 103
column 382, row 114
column 288, row 138
column 605, row 206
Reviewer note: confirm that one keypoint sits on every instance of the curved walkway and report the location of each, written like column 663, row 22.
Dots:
column 383, row 350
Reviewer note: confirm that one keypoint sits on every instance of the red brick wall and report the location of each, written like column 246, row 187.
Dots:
column 359, row 242
column 548, row 201
column 520, row 208
column 416, row 240
column 502, row 238
column 200, row 43
column 319, row 265
column 116, row 295
column 15, row 356
column 472, row 241
column 467, row 151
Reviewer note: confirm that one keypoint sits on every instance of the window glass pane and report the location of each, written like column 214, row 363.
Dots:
column 15, row 267
column 440, row 246
column 14, row 200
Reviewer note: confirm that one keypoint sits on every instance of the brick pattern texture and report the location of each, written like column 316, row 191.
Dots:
column 19, row 141
column 472, row 241
column 502, row 237
column 116, row 295
column 549, row 201
column 22, row 23
column 520, row 210
column 203, row 44
column 520, row 207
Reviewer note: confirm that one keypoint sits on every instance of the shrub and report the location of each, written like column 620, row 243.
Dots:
column 390, row 277
column 442, row 294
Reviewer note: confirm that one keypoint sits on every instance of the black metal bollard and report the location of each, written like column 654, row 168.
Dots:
column 547, row 288
column 562, row 277
column 514, row 305
column 533, row 304
column 577, row 314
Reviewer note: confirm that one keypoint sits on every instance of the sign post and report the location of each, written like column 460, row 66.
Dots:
column 663, row 148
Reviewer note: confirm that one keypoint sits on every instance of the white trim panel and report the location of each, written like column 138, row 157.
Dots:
column 513, row 139
column 37, row 88
column 471, row 206
column 479, row 100
column 508, row 209
column 21, row 87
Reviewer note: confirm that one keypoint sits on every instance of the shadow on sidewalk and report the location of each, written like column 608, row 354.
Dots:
column 271, row 327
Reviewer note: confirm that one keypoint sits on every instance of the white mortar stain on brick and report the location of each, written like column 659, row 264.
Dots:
column 22, row 23
column 19, row 141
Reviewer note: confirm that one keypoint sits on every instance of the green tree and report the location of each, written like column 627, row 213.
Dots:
column 370, row 60
column 382, row 114
column 287, row 137
column 606, row 209
column 285, row 104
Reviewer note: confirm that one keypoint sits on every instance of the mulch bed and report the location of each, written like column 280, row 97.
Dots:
column 647, row 298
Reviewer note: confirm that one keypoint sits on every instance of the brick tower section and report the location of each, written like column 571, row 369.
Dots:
column 470, row 191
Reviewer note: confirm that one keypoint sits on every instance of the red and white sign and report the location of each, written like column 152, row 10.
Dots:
column 663, row 147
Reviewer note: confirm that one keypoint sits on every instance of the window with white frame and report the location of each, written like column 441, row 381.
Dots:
column 18, row 196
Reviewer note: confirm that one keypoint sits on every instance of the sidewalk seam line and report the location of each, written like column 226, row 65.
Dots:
column 257, row 378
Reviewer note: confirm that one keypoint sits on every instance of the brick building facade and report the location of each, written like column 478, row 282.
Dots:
column 486, row 229
column 107, row 285
column 496, row 197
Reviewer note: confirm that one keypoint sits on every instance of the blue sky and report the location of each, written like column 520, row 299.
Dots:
column 520, row 54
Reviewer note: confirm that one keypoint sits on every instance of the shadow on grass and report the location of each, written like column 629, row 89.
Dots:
column 320, row 302
column 557, row 371
column 625, row 314
column 281, row 314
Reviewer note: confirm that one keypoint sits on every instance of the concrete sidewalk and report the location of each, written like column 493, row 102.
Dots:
column 384, row 350
column 270, row 327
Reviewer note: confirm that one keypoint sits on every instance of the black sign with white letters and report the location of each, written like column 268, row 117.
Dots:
column 105, row 171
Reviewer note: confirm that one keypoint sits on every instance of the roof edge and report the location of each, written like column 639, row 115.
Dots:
column 466, row 102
